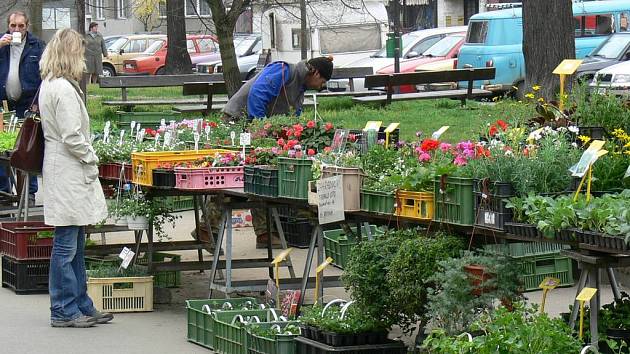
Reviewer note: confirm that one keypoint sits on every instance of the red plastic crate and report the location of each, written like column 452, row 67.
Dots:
column 209, row 177
column 111, row 171
column 19, row 240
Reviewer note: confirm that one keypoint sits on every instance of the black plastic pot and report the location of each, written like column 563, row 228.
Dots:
column 163, row 178
column 618, row 333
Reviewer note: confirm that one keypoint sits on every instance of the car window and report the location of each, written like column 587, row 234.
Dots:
column 477, row 32
column 244, row 46
column 593, row 25
column 190, row 46
column 136, row 46
column 407, row 40
column 154, row 46
column 425, row 44
column 442, row 47
column 624, row 18
column 205, row 45
column 612, row 47
column 118, row 44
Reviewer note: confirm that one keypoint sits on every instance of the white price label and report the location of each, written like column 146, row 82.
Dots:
column 245, row 139
column 488, row 217
column 232, row 136
column 122, row 135
column 127, row 259
column 162, row 123
column 133, row 125
column 124, row 252
column 330, row 203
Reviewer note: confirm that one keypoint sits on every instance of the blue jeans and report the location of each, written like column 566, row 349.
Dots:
column 5, row 183
column 67, row 279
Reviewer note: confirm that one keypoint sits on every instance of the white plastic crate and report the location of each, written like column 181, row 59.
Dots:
column 126, row 294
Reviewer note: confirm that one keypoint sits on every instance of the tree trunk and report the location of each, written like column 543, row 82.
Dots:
column 224, row 22
column 543, row 52
column 36, row 18
column 177, row 57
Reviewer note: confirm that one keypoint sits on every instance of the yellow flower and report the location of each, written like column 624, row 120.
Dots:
column 530, row 95
column 585, row 139
column 541, row 100
column 535, row 87
column 618, row 132
column 627, row 152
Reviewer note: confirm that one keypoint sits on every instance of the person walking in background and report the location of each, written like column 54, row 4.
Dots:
column 95, row 50
column 73, row 197
column 20, row 52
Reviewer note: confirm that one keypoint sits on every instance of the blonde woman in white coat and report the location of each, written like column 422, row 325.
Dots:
column 73, row 197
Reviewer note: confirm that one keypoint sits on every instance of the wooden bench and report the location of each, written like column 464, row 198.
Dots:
column 350, row 74
column 127, row 82
column 390, row 81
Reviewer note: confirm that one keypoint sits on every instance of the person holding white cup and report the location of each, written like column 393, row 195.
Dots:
column 20, row 52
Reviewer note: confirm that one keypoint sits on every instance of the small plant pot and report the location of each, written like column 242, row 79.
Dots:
column 377, row 337
column 138, row 222
column 478, row 276
column 618, row 333
column 566, row 235
column 121, row 221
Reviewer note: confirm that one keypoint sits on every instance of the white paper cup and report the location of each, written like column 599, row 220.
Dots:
column 17, row 37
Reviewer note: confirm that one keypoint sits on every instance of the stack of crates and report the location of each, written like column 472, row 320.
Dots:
column 26, row 248
column 297, row 230
column 537, row 260
column 338, row 245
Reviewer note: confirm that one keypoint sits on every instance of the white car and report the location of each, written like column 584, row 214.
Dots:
column 413, row 43
column 614, row 79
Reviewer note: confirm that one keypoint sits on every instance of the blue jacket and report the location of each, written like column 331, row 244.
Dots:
column 267, row 87
column 29, row 72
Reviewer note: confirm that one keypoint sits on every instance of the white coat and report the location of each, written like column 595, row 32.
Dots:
column 72, row 191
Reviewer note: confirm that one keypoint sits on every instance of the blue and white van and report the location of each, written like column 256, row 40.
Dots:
column 495, row 39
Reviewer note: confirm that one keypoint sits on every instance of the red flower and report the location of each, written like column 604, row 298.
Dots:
column 327, row 149
column 328, row 126
column 429, row 145
column 493, row 130
column 297, row 133
column 481, row 151
column 150, row 132
column 292, row 143
column 310, row 152
column 310, row 124
column 213, row 124
column 298, row 127
column 290, row 132
column 299, row 154
column 502, row 124
column 281, row 142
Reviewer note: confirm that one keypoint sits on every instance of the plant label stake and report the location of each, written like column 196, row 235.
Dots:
column 584, row 168
column 232, row 136
column 549, row 283
column 195, row 125
column 585, row 295
column 627, row 173
column 196, row 137
column 167, row 139
column 390, row 129
column 276, row 264
column 133, row 125
column 438, row 133
column 5, row 105
column 318, row 274
column 157, row 140
column 566, row 67
column 245, row 139
column 207, row 129
column 122, row 135
column 106, row 132
column 373, row 125
column 126, row 255
column 162, row 123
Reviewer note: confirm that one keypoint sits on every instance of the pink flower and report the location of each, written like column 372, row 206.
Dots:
column 469, row 153
column 291, row 153
column 275, row 150
column 465, row 145
column 281, row 142
column 460, row 160
column 298, row 147
column 445, row 147
column 310, row 124
column 424, row 157
column 310, row 152
column 299, row 154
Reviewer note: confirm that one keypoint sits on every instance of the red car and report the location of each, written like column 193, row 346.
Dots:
column 445, row 48
column 152, row 61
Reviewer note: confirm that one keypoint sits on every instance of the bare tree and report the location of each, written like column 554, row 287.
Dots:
column 543, row 52
column 224, row 22
column 177, row 57
column 36, row 18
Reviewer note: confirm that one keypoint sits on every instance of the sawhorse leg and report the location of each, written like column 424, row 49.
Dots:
column 283, row 240
column 215, row 258
column 316, row 240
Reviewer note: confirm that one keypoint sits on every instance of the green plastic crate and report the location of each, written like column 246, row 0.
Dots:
column 525, row 249
column 230, row 335
column 536, row 269
column 338, row 245
column 293, row 177
column 266, row 181
column 92, row 262
column 178, row 203
column 201, row 322
column 166, row 279
column 378, row 202
column 146, row 119
column 280, row 344
column 454, row 202
column 249, row 173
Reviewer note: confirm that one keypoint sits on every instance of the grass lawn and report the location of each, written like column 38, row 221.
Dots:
column 419, row 115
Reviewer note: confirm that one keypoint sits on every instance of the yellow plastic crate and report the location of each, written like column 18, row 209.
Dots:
column 126, row 294
column 143, row 163
column 415, row 205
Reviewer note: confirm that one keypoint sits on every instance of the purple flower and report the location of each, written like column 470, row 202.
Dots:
column 298, row 147
column 445, row 147
column 292, row 153
column 469, row 153
column 460, row 160
column 274, row 150
column 381, row 141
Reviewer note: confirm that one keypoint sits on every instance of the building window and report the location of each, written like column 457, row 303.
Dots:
column 162, row 9
column 296, row 37
column 196, row 8
column 99, row 11
column 272, row 30
column 121, row 9
column 88, row 10
column 55, row 18
column 348, row 39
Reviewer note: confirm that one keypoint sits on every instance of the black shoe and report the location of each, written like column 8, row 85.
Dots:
column 102, row 317
column 79, row 322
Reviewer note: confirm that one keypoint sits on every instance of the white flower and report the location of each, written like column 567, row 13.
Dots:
column 536, row 136
column 574, row 129
column 509, row 153
column 562, row 129
column 574, row 145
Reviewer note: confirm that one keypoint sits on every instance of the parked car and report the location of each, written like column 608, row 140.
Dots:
column 613, row 50
column 446, row 48
column 413, row 44
column 247, row 51
column 152, row 62
column 109, row 40
column 127, row 47
column 614, row 79
column 495, row 39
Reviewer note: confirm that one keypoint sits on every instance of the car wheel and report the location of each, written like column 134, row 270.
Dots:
column 108, row 71
column 160, row 71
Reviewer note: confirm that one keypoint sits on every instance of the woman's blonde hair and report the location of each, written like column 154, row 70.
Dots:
column 64, row 56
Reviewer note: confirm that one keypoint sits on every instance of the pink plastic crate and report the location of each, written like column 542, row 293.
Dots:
column 19, row 240
column 209, row 177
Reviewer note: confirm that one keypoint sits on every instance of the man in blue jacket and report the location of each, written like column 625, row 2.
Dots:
column 20, row 52
column 278, row 89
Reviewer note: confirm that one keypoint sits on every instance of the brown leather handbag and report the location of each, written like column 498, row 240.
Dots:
column 28, row 154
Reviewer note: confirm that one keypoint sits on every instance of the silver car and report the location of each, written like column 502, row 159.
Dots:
column 247, row 52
